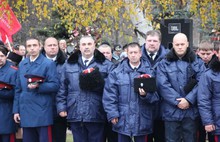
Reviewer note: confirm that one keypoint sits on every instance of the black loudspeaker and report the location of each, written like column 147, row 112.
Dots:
column 170, row 27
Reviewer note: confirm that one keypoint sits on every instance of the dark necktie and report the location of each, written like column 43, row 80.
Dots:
column 151, row 56
column 86, row 62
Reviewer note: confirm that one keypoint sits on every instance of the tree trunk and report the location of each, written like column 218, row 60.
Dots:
column 142, row 25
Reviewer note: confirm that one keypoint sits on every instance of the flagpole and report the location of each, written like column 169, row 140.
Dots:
column 8, row 42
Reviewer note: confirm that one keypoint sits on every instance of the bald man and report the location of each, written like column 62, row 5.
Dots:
column 52, row 51
column 177, row 77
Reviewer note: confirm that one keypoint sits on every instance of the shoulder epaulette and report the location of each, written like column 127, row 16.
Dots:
column 14, row 67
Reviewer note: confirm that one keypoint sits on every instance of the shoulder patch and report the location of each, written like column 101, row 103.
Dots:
column 14, row 67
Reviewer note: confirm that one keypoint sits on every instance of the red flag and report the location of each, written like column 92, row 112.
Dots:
column 4, row 37
column 8, row 21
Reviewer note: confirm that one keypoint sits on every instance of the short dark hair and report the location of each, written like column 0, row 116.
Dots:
column 154, row 33
column 1, row 43
column 133, row 44
column 33, row 38
column 4, row 50
column 16, row 46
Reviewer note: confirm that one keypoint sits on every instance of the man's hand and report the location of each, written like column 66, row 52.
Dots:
column 33, row 85
column 17, row 118
column 183, row 103
column 63, row 114
column 210, row 128
column 114, row 121
column 142, row 92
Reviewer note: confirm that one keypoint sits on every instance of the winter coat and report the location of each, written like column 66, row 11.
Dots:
column 82, row 105
column 35, row 106
column 209, row 96
column 8, row 75
column 160, row 55
column 173, row 75
column 134, row 112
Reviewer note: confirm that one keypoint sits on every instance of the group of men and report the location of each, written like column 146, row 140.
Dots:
column 98, row 97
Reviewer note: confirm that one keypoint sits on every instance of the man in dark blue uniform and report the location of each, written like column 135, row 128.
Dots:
column 209, row 95
column 54, row 53
column 177, row 77
column 36, row 84
column 7, row 85
column 206, row 52
column 80, row 98
column 154, row 52
column 130, row 111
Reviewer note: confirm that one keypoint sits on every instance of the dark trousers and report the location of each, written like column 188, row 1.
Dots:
column 59, row 129
column 7, row 137
column 217, row 138
column 201, row 133
column 181, row 131
column 37, row 134
column 125, row 138
column 158, row 134
column 87, row 131
column 110, row 135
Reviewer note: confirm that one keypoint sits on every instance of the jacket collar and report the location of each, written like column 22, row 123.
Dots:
column 162, row 51
column 190, row 56
column 142, row 68
column 215, row 65
column 98, row 57
column 39, row 59
column 60, row 57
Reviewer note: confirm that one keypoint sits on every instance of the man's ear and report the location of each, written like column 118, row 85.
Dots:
column 188, row 44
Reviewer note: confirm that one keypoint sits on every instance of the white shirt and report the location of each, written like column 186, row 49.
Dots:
column 89, row 60
column 153, row 57
column 135, row 67
column 32, row 60
column 53, row 59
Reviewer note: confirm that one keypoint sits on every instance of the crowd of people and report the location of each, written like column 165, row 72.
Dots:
column 102, row 93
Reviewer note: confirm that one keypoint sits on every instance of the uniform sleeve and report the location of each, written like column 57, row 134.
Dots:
column 204, row 100
column 6, row 93
column 110, row 97
column 61, row 97
column 17, row 93
column 150, row 97
column 51, row 84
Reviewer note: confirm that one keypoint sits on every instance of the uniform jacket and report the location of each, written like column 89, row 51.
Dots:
column 173, row 74
column 209, row 96
column 35, row 106
column 81, row 105
column 120, row 101
column 8, row 75
column 160, row 55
